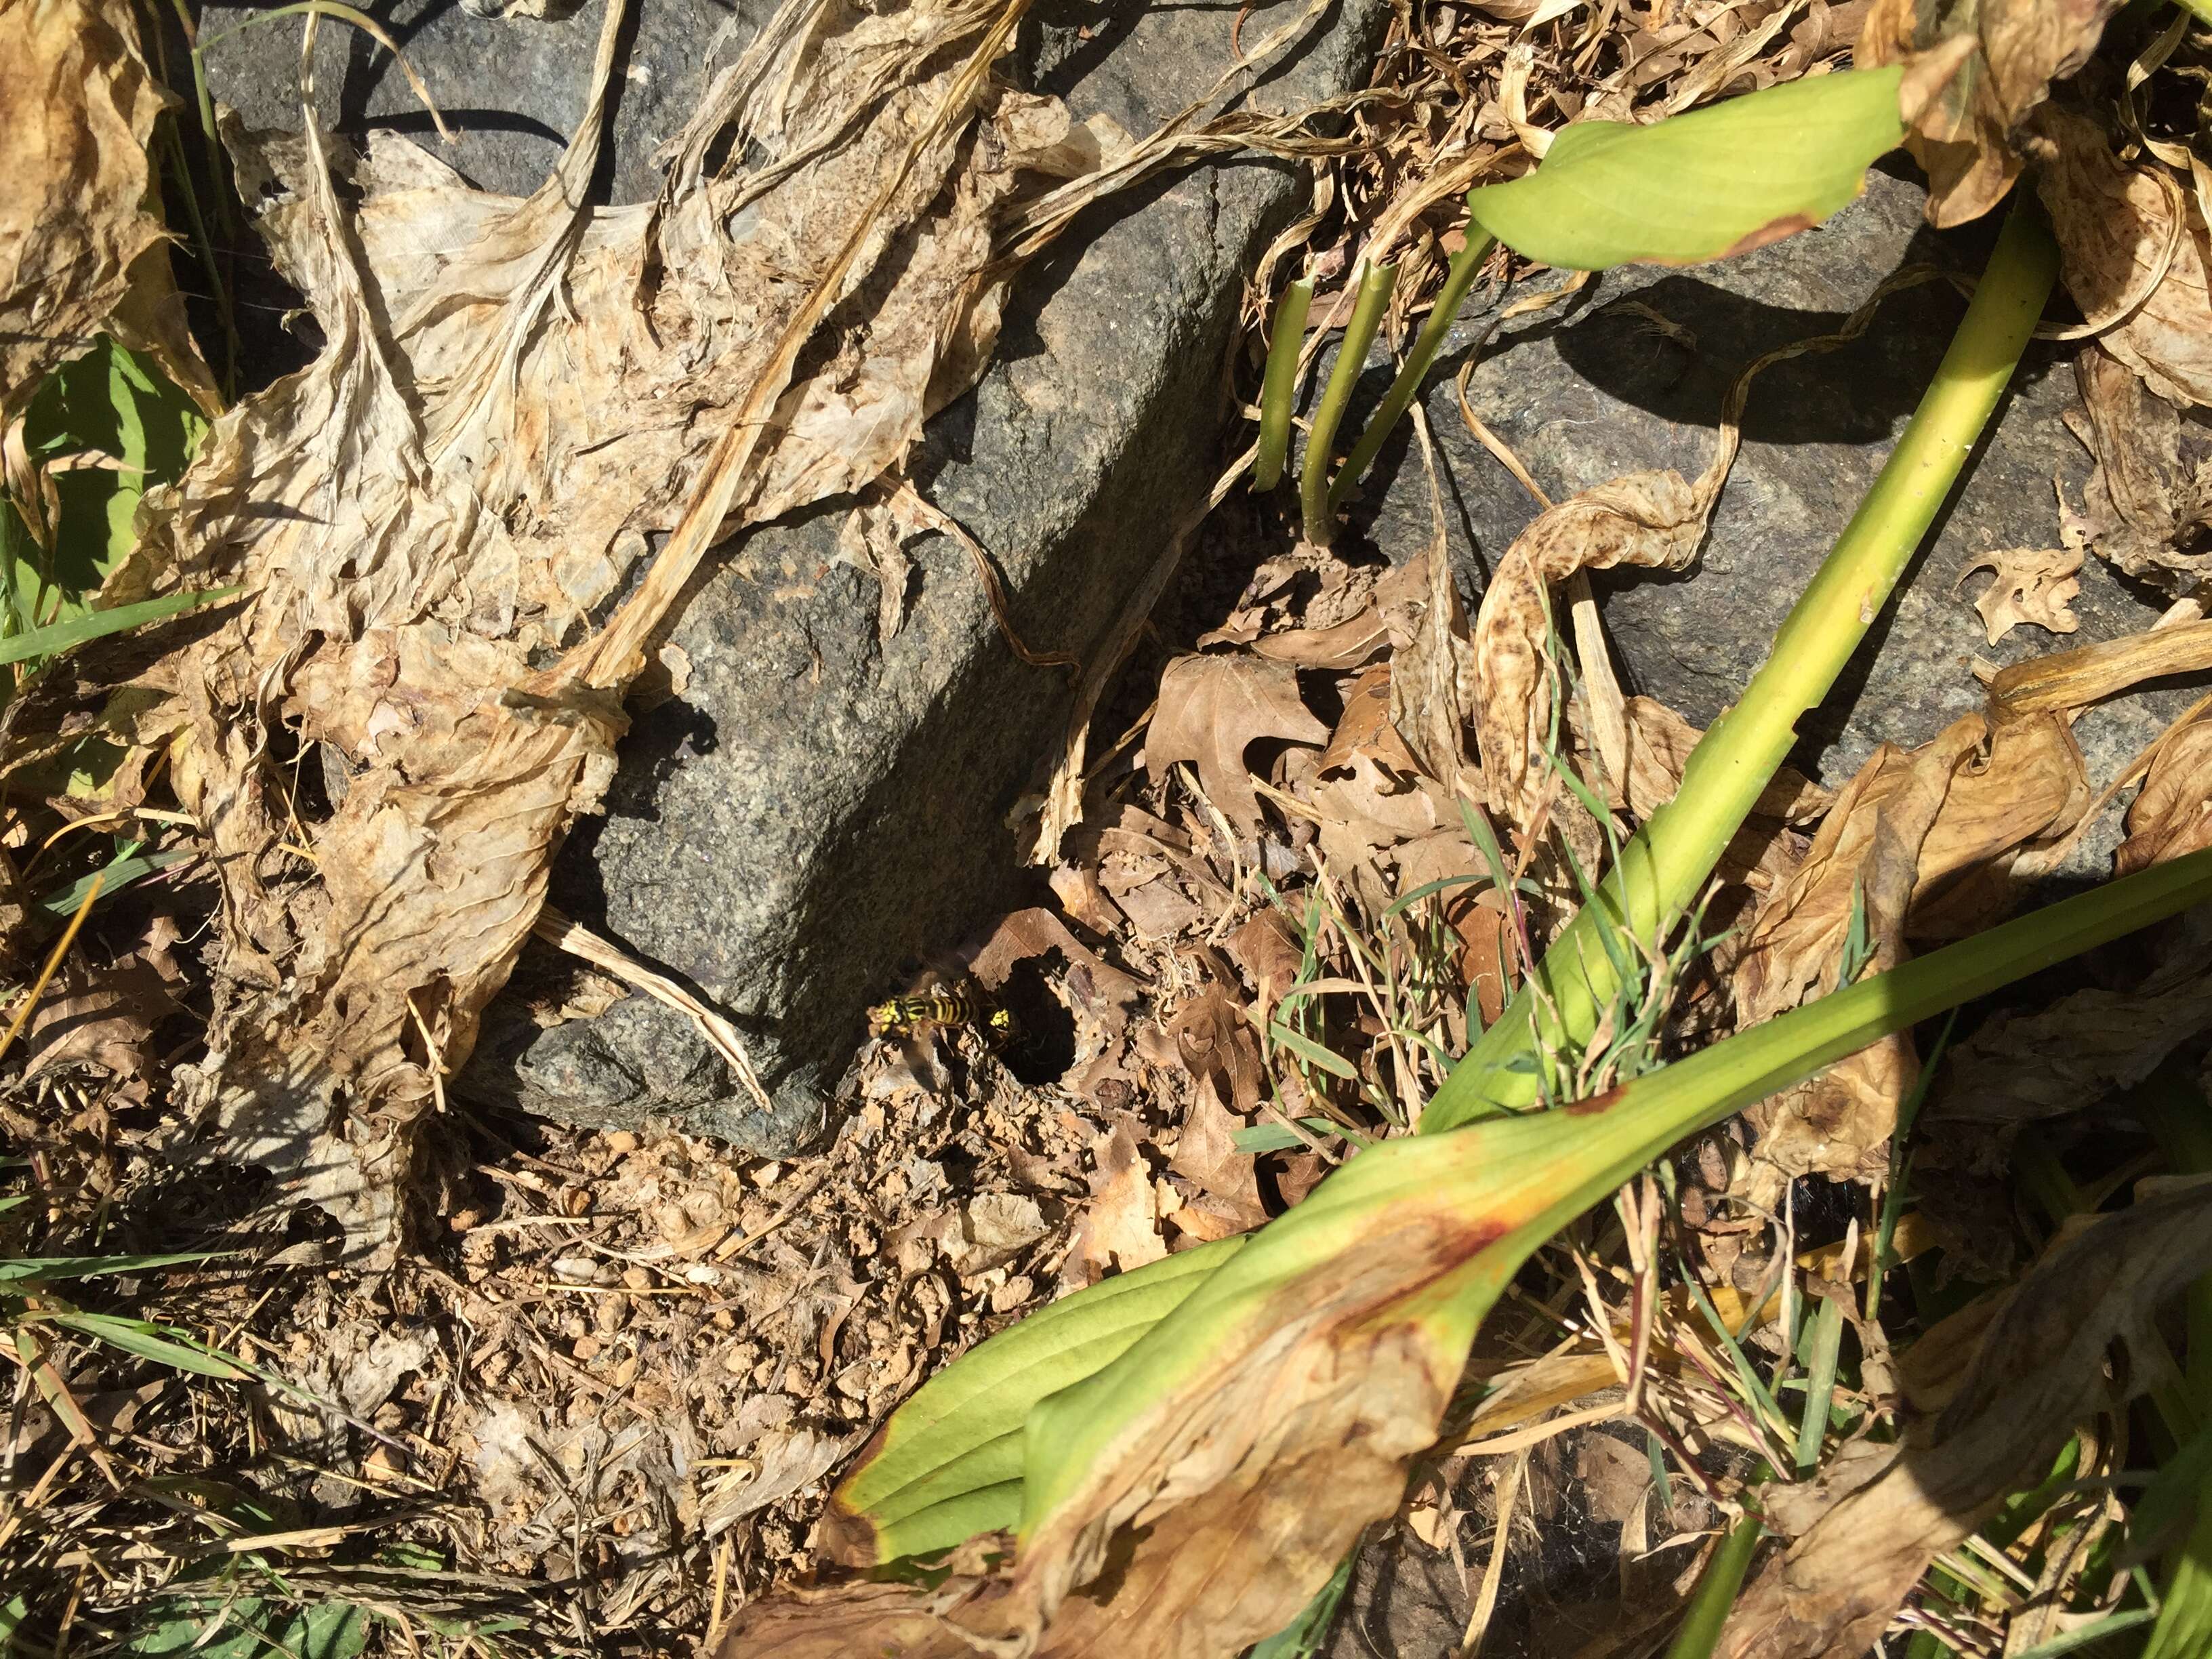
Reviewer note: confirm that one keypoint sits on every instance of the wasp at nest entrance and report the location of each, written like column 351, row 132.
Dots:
column 949, row 1008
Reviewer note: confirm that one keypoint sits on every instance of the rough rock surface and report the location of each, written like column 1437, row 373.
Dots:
column 818, row 805
column 1595, row 388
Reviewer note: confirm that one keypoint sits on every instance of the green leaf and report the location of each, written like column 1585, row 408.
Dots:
column 163, row 1344
column 1274, row 1137
column 948, row 1464
column 1700, row 186
column 119, row 874
column 251, row 1628
column 56, row 637
column 1312, row 1052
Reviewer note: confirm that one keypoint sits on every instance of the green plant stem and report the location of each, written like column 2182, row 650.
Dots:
column 1662, row 869
column 1278, row 389
column 1717, row 1590
column 205, row 100
column 1375, row 286
column 2200, row 9
column 1458, row 278
column 2174, row 1107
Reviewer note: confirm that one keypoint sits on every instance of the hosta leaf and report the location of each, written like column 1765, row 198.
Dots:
column 948, row 1464
column 1700, row 186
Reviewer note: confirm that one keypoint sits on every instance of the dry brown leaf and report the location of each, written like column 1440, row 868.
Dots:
column 1227, row 1198
column 1219, row 1048
column 2032, row 585
column 80, row 255
column 1212, row 709
column 2172, row 813
column 514, row 396
column 1121, row 1228
column 2082, row 1049
column 2148, row 503
column 102, row 1016
column 1652, row 519
column 2134, row 252
column 2010, row 52
column 1902, row 826
column 2038, row 1367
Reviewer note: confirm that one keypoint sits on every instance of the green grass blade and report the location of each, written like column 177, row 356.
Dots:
column 163, row 1344
column 1716, row 1591
column 59, row 636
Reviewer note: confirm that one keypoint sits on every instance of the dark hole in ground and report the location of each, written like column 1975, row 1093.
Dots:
column 1042, row 1047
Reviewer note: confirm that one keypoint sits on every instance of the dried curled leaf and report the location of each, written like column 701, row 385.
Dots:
column 1652, row 519
column 1212, row 709
column 514, row 397
column 2149, row 505
column 2133, row 251
column 2172, row 813
column 2038, row 1368
column 2032, row 585
column 79, row 253
column 2009, row 53
column 1904, row 825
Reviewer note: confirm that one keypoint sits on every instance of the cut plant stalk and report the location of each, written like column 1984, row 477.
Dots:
column 1279, row 388
column 1375, row 286
column 1665, row 866
column 1458, row 278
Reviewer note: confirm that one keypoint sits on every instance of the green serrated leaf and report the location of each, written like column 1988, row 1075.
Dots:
column 1700, row 186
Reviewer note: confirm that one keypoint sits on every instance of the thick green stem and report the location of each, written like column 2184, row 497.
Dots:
column 1277, row 390
column 1457, row 280
column 1661, row 870
column 1716, row 1591
column 1351, row 358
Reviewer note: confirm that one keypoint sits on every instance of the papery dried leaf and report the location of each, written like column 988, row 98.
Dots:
column 1964, row 136
column 470, row 467
column 2038, row 1369
column 1228, row 1197
column 2082, row 1049
column 2032, row 585
column 1902, row 826
column 80, row 254
column 2147, row 509
column 1220, row 1047
column 1651, row 519
column 1098, row 990
column 2066, row 680
column 2133, row 252
column 1212, row 709
column 101, row 1017
column 2172, row 813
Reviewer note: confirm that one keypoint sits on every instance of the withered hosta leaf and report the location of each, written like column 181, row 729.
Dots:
column 1899, row 829
column 2038, row 1368
column 2080, row 1051
column 1653, row 520
column 2134, row 252
column 2172, row 813
column 1212, row 709
column 1965, row 135
column 514, row 397
column 2148, row 503
column 79, row 253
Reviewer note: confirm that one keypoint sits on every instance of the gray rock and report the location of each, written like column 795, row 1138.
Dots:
column 511, row 89
column 1594, row 389
column 819, row 806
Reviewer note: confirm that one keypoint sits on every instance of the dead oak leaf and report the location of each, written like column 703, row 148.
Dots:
column 2172, row 814
column 1121, row 1228
column 2032, row 585
column 1212, row 709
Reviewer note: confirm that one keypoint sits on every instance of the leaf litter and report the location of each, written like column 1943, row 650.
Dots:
column 1321, row 862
